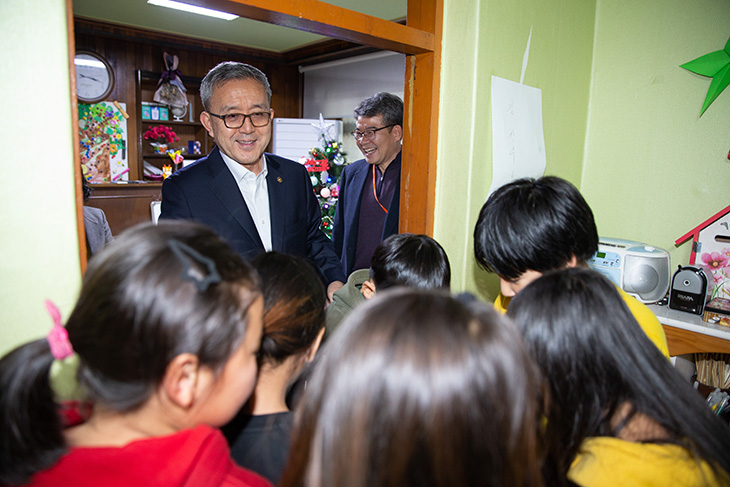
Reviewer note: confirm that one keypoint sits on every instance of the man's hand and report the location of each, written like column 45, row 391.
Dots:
column 334, row 286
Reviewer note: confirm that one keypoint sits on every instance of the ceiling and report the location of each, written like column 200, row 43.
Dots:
column 240, row 32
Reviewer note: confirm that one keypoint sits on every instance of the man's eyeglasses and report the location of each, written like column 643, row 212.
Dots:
column 368, row 134
column 236, row 120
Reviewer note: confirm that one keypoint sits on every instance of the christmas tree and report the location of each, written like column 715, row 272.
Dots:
column 325, row 165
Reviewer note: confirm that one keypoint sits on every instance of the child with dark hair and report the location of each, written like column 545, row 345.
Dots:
column 404, row 259
column 617, row 412
column 162, row 345
column 419, row 389
column 531, row 226
column 294, row 302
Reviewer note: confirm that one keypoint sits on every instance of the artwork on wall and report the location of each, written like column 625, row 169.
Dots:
column 103, row 138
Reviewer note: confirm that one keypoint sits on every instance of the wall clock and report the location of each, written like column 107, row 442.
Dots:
column 94, row 77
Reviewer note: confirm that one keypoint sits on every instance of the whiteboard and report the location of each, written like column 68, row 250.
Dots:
column 294, row 137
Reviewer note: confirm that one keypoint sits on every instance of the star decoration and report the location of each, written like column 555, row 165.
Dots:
column 715, row 65
column 323, row 129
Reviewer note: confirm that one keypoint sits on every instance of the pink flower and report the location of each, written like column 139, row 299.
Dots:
column 726, row 252
column 715, row 260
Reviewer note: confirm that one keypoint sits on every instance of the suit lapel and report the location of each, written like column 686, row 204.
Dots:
column 224, row 187
column 391, row 221
column 352, row 215
column 358, row 183
column 277, row 202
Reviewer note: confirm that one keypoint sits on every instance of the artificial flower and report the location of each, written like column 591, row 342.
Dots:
column 161, row 134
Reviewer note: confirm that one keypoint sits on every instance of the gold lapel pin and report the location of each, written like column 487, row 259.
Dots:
column 278, row 179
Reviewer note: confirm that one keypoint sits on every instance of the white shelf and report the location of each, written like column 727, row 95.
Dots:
column 689, row 322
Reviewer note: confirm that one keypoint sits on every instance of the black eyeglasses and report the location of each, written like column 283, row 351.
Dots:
column 236, row 120
column 368, row 134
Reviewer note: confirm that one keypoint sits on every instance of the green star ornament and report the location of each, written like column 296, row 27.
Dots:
column 715, row 65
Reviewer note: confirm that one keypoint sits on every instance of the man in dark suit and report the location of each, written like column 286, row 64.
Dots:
column 257, row 202
column 367, row 208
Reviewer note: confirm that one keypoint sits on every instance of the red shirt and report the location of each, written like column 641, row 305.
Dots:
column 196, row 457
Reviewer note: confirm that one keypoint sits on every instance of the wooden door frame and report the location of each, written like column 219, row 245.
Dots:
column 419, row 39
column 80, row 228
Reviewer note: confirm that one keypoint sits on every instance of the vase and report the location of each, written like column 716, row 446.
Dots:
column 159, row 147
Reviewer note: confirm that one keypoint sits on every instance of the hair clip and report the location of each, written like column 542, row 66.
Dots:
column 58, row 337
column 62, row 374
column 185, row 254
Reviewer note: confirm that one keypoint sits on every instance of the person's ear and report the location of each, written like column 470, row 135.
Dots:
column 309, row 356
column 181, row 380
column 573, row 262
column 398, row 133
column 207, row 122
column 368, row 289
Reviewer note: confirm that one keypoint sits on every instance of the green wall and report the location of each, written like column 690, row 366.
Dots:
column 488, row 37
column 653, row 168
column 38, row 247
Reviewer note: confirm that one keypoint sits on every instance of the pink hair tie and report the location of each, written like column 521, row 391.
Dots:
column 58, row 337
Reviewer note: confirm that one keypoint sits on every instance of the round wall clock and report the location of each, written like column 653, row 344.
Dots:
column 94, row 77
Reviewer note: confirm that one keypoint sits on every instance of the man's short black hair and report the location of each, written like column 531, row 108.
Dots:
column 534, row 224
column 415, row 261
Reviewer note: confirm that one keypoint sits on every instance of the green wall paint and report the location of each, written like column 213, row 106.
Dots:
column 485, row 38
column 38, row 249
column 653, row 168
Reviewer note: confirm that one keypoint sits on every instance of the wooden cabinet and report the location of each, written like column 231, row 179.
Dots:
column 188, row 128
column 125, row 204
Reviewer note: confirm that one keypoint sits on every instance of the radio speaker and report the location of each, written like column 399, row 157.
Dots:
column 643, row 277
column 639, row 269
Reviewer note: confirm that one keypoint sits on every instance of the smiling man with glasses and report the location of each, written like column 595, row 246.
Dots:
column 257, row 202
column 368, row 205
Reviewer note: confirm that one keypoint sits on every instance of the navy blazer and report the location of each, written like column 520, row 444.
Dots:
column 347, row 212
column 207, row 192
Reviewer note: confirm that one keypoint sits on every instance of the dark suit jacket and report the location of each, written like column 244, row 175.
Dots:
column 347, row 213
column 207, row 192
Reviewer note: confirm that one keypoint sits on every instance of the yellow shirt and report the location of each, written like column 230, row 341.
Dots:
column 647, row 321
column 643, row 315
column 609, row 462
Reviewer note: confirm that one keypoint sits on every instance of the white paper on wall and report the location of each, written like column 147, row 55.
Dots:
column 518, row 143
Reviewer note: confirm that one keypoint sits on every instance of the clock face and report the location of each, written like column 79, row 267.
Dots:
column 94, row 77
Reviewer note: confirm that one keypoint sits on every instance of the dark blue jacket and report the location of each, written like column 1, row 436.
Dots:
column 207, row 192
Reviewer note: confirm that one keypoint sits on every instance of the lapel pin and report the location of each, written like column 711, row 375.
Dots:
column 278, row 179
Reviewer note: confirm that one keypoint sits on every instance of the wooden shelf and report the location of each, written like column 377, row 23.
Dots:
column 173, row 123
column 151, row 155
column 186, row 130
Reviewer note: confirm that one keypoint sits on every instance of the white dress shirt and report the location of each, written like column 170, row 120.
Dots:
column 256, row 195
